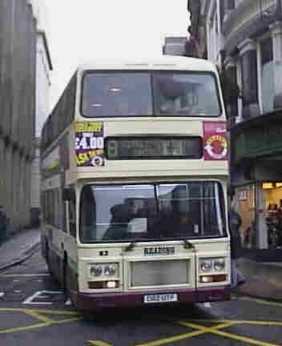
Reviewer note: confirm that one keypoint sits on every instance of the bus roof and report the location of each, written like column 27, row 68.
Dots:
column 164, row 62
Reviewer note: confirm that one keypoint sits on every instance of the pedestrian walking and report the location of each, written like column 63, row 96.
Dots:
column 235, row 222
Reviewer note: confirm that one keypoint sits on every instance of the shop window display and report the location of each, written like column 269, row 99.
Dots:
column 246, row 208
column 274, row 224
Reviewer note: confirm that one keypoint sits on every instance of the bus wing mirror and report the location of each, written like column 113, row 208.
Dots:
column 68, row 194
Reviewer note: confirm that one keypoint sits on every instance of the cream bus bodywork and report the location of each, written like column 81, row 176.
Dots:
column 147, row 271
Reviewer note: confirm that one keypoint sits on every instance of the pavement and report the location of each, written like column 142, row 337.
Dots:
column 18, row 248
column 263, row 280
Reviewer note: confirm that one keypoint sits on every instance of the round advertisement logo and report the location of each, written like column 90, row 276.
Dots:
column 97, row 161
column 216, row 147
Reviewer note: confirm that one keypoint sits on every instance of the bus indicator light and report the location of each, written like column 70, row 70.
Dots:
column 112, row 284
column 206, row 279
column 94, row 285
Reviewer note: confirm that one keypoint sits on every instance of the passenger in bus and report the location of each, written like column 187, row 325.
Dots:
column 177, row 220
column 119, row 221
column 122, row 214
column 170, row 94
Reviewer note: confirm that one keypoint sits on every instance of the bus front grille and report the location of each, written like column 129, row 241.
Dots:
column 159, row 273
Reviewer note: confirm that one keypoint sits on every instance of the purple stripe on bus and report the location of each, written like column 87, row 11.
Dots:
column 92, row 301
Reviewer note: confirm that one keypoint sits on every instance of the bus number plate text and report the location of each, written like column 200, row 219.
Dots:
column 160, row 298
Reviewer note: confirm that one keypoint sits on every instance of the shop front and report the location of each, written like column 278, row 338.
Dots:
column 260, row 207
column 245, row 205
column 256, row 178
column 273, row 213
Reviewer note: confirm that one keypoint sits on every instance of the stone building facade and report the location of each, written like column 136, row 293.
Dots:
column 17, row 108
column 44, row 69
column 244, row 38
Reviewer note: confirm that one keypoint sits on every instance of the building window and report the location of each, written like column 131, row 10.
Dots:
column 249, row 82
column 267, row 78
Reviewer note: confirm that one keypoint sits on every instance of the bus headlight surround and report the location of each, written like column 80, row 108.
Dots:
column 211, row 265
column 219, row 264
column 206, row 265
column 95, row 270
column 110, row 269
column 103, row 270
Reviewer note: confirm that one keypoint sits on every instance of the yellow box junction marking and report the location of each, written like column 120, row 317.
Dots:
column 39, row 315
column 45, row 320
column 227, row 335
column 180, row 337
column 215, row 330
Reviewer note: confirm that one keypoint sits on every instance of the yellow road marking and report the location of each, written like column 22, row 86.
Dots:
column 243, row 338
column 261, row 301
column 262, row 323
column 68, row 320
column 228, row 335
column 24, row 328
column 37, row 325
column 255, row 322
column 180, row 337
column 44, row 311
column 200, row 329
column 55, row 312
column 38, row 316
column 97, row 343
column 175, row 338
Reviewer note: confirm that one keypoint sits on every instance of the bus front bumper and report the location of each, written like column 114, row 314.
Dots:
column 96, row 301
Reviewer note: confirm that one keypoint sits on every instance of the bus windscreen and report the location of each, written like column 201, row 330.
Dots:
column 133, row 94
column 169, row 211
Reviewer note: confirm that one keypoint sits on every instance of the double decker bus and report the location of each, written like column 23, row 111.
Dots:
column 134, row 185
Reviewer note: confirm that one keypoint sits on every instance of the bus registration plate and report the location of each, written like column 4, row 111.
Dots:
column 160, row 298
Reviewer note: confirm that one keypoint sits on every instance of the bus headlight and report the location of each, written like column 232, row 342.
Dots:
column 110, row 269
column 208, row 265
column 219, row 264
column 95, row 270
column 103, row 270
column 205, row 265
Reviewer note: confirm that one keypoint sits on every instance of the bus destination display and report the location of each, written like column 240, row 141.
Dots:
column 120, row 148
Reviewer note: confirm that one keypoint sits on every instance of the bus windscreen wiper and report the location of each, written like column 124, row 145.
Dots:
column 188, row 245
column 131, row 246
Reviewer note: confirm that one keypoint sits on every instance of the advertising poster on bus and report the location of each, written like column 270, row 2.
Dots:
column 89, row 144
column 215, row 140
